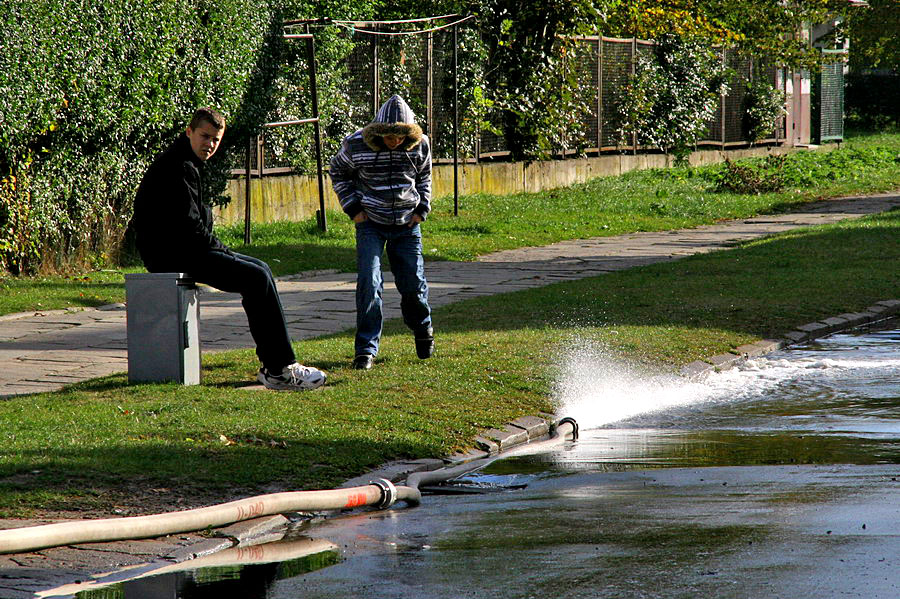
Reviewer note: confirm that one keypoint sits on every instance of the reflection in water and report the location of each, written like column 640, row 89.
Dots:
column 245, row 572
column 251, row 582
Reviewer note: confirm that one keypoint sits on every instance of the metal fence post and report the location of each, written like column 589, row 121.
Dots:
column 722, row 97
column 455, row 122
column 375, row 78
column 599, row 93
column 634, row 143
column 261, row 164
column 317, row 129
column 429, row 89
column 247, row 193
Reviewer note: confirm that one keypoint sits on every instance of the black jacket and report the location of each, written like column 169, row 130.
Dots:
column 172, row 223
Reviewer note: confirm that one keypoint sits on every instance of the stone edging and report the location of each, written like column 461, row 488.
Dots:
column 882, row 310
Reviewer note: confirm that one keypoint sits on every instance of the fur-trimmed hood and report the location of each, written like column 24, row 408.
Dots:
column 395, row 117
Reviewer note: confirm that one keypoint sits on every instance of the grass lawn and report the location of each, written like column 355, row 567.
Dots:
column 104, row 446
column 638, row 201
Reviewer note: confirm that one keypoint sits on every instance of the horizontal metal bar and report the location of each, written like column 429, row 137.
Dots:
column 297, row 36
column 422, row 20
column 286, row 123
column 450, row 161
column 494, row 154
column 269, row 170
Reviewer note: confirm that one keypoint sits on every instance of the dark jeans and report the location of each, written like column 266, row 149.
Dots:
column 252, row 278
column 404, row 250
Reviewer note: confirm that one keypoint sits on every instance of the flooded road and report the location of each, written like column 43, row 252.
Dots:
column 778, row 479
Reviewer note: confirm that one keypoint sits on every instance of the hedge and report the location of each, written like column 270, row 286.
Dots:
column 92, row 91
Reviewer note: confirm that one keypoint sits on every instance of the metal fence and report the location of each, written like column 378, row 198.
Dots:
column 420, row 67
column 827, row 101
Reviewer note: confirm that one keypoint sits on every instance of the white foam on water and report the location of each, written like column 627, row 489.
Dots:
column 596, row 387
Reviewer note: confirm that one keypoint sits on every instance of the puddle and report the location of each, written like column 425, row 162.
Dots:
column 246, row 572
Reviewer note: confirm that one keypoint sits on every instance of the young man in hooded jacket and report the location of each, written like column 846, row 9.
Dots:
column 174, row 230
column 382, row 177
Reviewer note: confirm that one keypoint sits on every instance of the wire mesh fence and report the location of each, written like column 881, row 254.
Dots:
column 828, row 100
column 433, row 66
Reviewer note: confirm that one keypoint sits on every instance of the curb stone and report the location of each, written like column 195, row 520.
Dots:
column 486, row 444
column 534, row 427
column 724, row 361
column 199, row 549
column 880, row 311
column 395, row 471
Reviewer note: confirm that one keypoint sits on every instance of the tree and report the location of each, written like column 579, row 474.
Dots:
column 757, row 28
column 674, row 93
column 873, row 32
column 93, row 90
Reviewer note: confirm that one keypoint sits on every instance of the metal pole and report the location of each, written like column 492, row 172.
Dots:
column 455, row 122
column 633, row 72
column 375, row 86
column 722, row 99
column 599, row 93
column 429, row 88
column 247, row 194
column 311, row 50
column 261, row 163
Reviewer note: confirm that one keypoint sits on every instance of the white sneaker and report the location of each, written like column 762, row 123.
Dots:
column 294, row 377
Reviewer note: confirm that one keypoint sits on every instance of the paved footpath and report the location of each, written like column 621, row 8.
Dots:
column 44, row 351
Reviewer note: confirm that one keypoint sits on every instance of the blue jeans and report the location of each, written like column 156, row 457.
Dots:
column 404, row 251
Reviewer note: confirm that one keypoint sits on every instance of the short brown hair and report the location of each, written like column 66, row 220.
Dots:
column 208, row 115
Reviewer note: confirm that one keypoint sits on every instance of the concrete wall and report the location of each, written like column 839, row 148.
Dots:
column 296, row 197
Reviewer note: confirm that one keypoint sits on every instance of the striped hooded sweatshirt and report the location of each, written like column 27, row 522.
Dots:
column 390, row 185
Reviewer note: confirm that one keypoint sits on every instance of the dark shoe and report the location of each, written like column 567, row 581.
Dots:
column 425, row 343
column 363, row 362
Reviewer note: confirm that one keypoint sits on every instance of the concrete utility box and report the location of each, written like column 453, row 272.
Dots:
column 163, row 317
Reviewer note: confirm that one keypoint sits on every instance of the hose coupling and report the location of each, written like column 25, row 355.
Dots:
column 570, row 420
column 388, row 492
